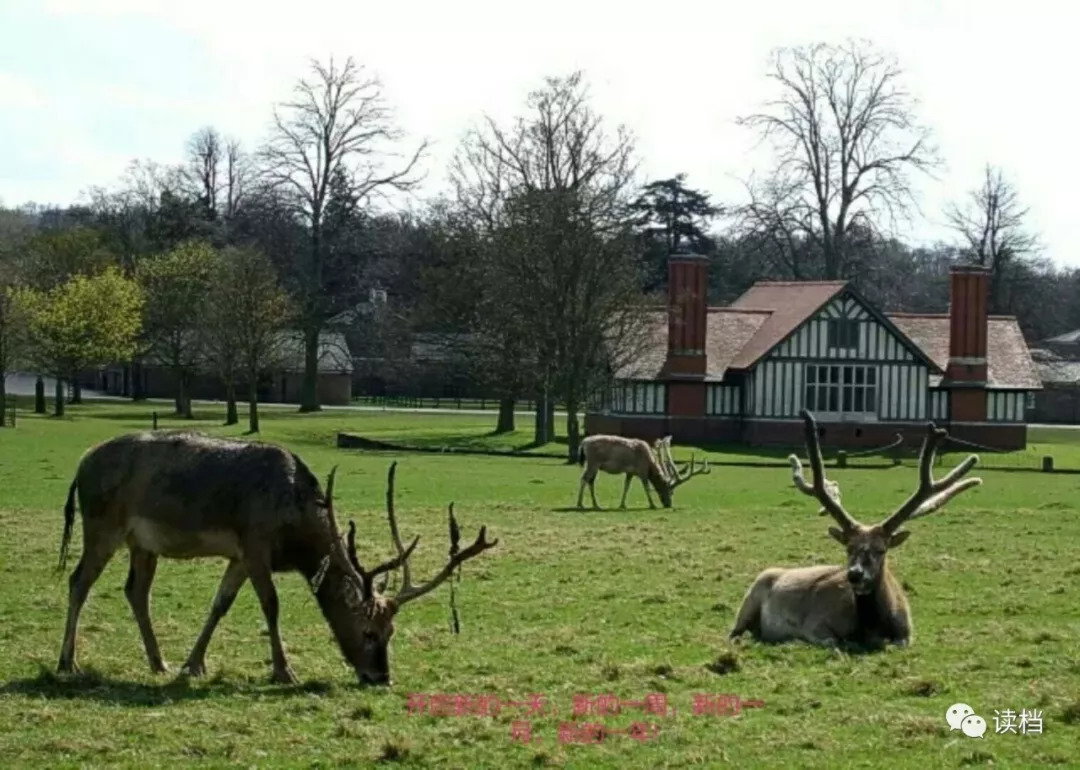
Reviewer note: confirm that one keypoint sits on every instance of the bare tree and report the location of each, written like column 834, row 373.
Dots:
column 337, row 125
column 846, row 139
column 238, row 173
column 205, row 156
column 993, row 225
column 246, row 312
column 552, row 194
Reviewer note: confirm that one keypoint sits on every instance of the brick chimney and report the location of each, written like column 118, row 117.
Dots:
column 688, row 287
column 684, row 370
column 966, row 373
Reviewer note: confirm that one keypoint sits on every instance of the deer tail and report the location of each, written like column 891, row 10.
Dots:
column 69, row 523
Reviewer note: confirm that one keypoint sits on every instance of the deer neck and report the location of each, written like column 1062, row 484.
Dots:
column 656, row 478
column 872, row 606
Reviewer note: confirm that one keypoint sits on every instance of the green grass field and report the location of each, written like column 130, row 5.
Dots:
column 625, row 603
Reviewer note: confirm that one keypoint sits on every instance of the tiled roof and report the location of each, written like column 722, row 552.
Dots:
column 727, row 333
column 790, row 304
column 1008, row 361
column 768, row 312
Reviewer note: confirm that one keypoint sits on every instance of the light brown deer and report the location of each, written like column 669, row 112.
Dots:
column 635, row 458
column 862, row 603
column 186, row 496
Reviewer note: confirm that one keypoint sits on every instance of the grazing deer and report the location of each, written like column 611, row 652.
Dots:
column 185, row 496
column 860, row 603
column 633, row 457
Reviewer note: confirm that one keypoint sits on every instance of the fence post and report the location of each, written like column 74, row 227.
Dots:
column 14, row 409
column 841, row 459
column 1048, row 465
column 155, row 420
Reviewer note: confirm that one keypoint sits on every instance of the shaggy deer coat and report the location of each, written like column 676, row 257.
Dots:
column 861, row 604
column 186, row 496
column 634, row 458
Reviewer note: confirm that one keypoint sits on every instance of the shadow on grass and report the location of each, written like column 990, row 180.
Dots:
column 90, row 685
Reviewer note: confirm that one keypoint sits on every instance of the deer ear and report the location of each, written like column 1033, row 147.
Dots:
column 838, row 535
column 898, row 539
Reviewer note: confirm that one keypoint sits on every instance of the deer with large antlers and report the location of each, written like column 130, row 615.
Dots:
column 636, row 459
column 860, row 603
column 185, row 496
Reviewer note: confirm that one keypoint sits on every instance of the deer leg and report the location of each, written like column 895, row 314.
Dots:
column 263, row 583
column 581, row 492
column 98, row 549
column 137, row 590
column 626, row 488
column 231, row 583
column 648, row 494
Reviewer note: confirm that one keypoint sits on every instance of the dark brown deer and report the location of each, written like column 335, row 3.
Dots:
column 185, row 496
column 635, row 458
column 862, row 603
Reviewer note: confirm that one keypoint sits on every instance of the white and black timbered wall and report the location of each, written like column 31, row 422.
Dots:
column 844, row 329
column 724, row 401
column 939, row 405
column 841, row 364
column 1005, row 405
column 637, row 398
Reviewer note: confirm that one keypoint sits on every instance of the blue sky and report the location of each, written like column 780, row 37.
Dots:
column 88, row 85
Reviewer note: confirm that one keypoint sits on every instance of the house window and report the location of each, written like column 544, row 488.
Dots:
column 843, row 333
column 1029, row 400
column 839, row 389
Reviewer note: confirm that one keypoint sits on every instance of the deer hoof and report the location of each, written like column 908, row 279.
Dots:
column 284, row 676
column 193, row 668
column 159, row 667
column 67, row 667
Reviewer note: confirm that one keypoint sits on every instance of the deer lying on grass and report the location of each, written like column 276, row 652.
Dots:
column 860, row 603
column 186, row 496
column 633, row 457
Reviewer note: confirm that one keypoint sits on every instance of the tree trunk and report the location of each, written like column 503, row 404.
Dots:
column 39, row 396
column 137, row 392
column 76, row 390
column 540, row 433
column 253, row 404
column 231, row 417
column 549, row 415
column 178, row 399
column 506, row 416
column 3, row 401
column 58, row 405
column 309, row 390
column 573, row 433
column 188, row 414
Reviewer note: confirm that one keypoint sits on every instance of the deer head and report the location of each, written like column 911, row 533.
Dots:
column 673, row 476
column 369, row 626
column 867, row 546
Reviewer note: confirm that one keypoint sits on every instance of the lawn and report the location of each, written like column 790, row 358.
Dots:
column 569, row 606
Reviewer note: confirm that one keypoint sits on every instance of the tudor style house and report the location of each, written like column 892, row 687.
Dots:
column 742, row 373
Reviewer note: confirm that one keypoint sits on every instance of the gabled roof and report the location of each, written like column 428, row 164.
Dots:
column 727, row 333
column 789, row 304
column 1008, row 361
column 792, row 304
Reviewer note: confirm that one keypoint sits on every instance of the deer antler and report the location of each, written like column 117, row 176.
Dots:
column 351, row 563
column 663, row 457
column 826, row 492
column 932, row 495
column 689, row 471
column 408, row 591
